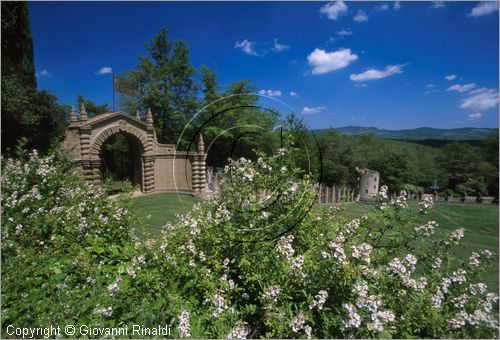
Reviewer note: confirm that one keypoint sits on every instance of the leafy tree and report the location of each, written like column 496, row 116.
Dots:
column 459, row 161
column 167, row 86
column 490, row 169
column 235, row 124
column 26, row 113
column 92, row 108
column 17, row 44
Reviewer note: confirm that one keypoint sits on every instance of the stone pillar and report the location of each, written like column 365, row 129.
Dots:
column 137, row 115
column 199, row 169
column 83, row 114
column 148, row 174
column 148, row 160
column 73, row 120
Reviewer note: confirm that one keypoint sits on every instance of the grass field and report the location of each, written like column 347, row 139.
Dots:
column 158, row 210
column 480, row 221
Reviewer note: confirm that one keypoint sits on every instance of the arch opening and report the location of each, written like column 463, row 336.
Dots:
column 121, row 161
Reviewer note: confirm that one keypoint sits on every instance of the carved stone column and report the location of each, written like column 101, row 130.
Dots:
column 148, row 160
column 88, row 167
column 148, row 174
column 199, row 169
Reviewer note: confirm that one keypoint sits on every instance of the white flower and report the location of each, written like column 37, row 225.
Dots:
column 354, row 320
column 477, row 288
column 445, row 283
column 487, row 253
column 437, row 299
column 107, row 312
column 113, row 288
column 437, row 263
column 319, row 300
column 455, row 236
column 459, row 320
column 474, row 259
column 411, row 259
column 272, row 293
column 427, row 229
column 284, row 246
column 298, row 323
column 220, row 305
column 460, row 301
column 131, row 271
column 240, row 331
column 426, row 204
column 184, row 326
column 362, row 252
column 459, row 276
column 308, row 331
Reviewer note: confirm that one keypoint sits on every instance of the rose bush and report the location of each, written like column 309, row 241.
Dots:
column 256, row 260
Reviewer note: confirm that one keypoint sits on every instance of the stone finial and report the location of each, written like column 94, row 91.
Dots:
column 137, row 115
column 72, row 115
column 149, row 118
column 83, row 113
column 201, row 144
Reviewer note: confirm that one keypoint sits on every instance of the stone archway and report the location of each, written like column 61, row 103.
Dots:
column 162, row 167
column 136, row 143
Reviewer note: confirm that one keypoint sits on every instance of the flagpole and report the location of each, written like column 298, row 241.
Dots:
column 113, row 76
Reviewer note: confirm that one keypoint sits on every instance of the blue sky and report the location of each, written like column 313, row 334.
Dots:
column 391, row 65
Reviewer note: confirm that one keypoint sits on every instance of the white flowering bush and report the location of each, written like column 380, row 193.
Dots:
column 67, row 250
column 254, row 269
column 256, row 260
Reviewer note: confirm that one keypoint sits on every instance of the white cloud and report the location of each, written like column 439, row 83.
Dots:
column 277, row 47
column 43, row 73
column 382, row 7
column 430, row 91
column 294, row 94
column 461, row 88
column 484, row 8
column 480, row 99
column 324, row 62
column 430, row 86
column 450, row 77
column 310, row 110
column 334, row 10
column 397, row 6
column 344, row 32
column 360, row 85
column 372, row 73
column 270, row 93
column 360, row 16
column 247, row 47
column 104, row 70
column 437, row 4
column 331, row 40
column 474, row 116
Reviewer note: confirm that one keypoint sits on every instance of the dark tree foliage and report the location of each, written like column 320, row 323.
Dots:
column 17, row 43
column 27, row 114
column 167, row 87
column 232, row 123
column 92, row 108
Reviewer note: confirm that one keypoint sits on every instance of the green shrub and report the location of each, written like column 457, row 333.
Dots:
column 252, row 261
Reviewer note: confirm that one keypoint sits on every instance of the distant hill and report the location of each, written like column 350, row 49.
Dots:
column 423, row 133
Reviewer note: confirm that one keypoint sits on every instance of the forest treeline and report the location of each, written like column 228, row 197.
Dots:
column 167, row 83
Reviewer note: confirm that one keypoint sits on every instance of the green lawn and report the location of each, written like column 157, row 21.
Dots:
column 480, row 221
column 157, row 210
